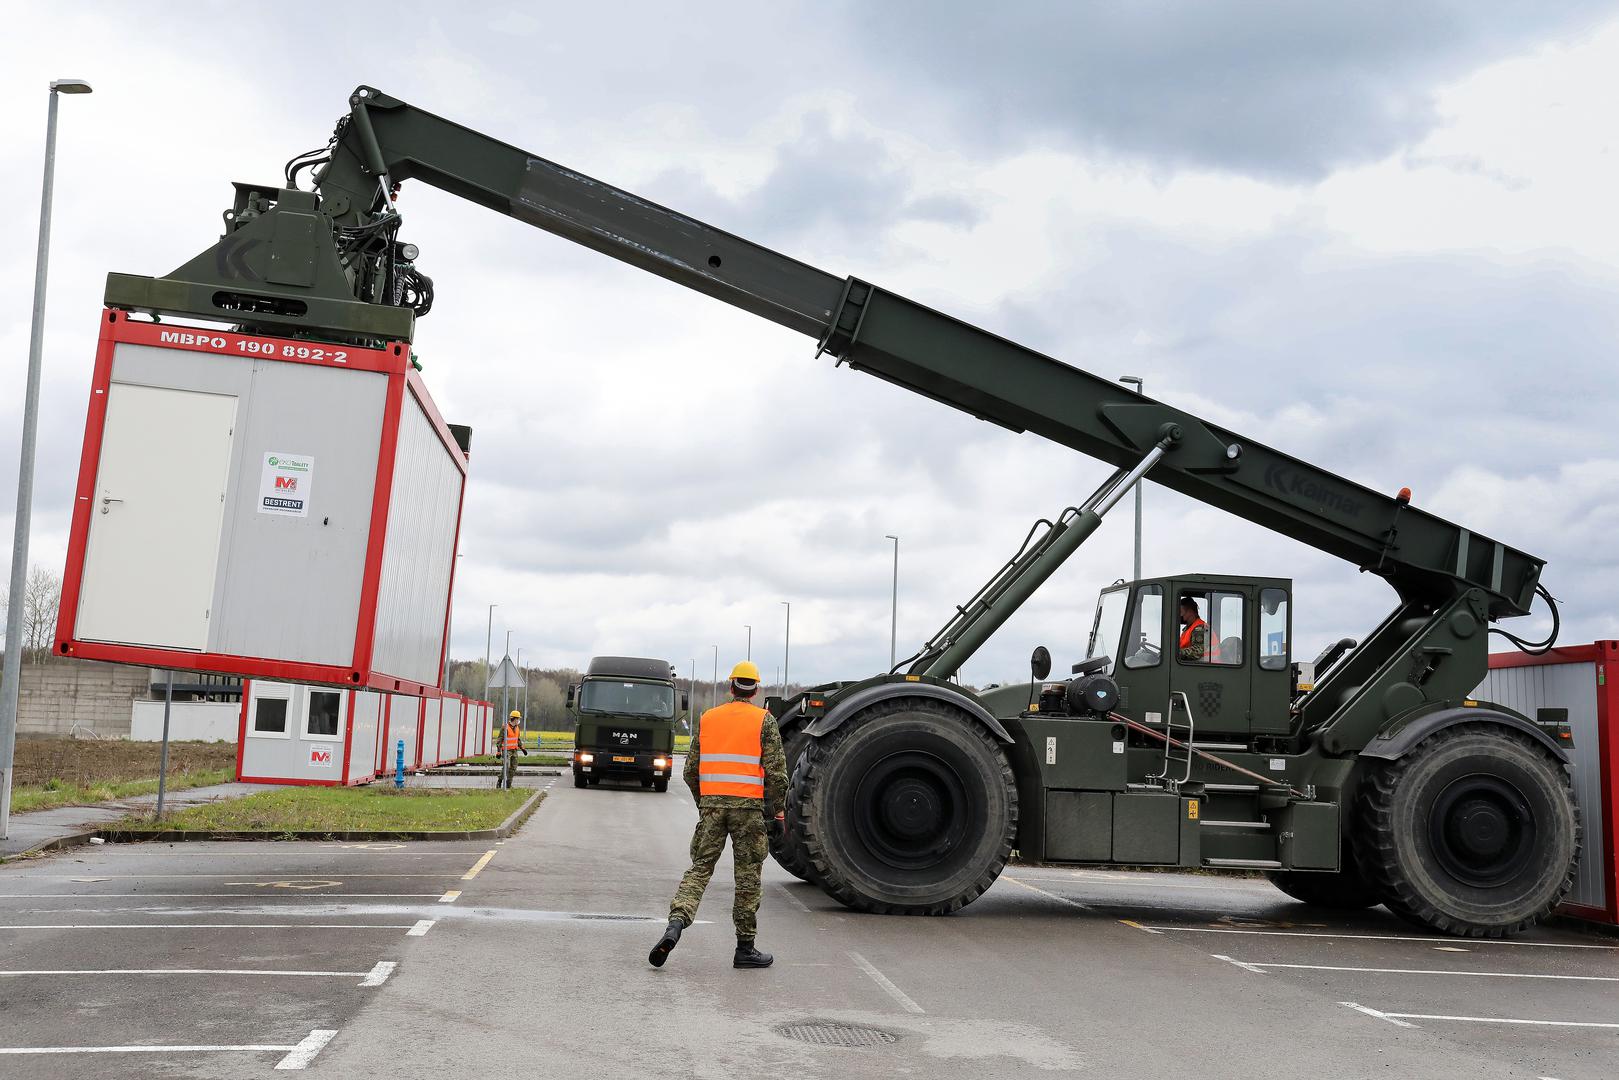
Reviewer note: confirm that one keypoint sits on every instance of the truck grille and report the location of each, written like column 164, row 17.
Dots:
column 620, row 738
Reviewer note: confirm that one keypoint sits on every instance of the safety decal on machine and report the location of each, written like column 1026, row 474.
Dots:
column 285, row 483
column 1051, row 749
column 1191, row 809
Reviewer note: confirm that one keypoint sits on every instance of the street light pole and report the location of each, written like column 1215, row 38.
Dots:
column 714, row 687
column 11, row 669
column 1136, row 381
column 488, row 640
column 524, row 705
column 787, row 650
column 691, row 699
column 893, row 619
column 750, row 639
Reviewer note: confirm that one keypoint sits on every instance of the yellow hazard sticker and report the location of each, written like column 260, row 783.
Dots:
column 913, row 678
column 1191, row 809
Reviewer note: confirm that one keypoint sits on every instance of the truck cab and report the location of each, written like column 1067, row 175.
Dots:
column 625, row 709
column 1234, row 679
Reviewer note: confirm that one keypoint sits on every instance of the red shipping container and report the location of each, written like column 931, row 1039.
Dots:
column 263, row 507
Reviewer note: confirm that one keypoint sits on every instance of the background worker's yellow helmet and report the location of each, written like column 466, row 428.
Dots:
column 746, row 674
column 516, row 715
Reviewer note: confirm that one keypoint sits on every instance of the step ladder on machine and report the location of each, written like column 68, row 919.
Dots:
column 1177, row 768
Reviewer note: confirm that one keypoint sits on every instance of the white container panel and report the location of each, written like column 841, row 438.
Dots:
column 189, row 721
column 365, row 729
column 1572, row 687
column 414, row 592
column 449, row 738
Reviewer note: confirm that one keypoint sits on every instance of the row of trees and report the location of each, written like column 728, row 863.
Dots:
column 42, row 596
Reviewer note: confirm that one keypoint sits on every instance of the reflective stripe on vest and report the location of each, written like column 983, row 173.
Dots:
column 514, row 736
column 730, row 751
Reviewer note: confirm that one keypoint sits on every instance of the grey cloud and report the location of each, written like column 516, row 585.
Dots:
column 1268, row 87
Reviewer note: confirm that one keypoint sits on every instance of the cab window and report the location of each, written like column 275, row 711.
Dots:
column 1144, row 644
column 1273, row 655
column 1108, row 625
column 1211, row 628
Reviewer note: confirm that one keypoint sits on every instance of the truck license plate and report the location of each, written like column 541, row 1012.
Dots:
column 631, row 760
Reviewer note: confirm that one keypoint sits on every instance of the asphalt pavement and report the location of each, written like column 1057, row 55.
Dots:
column 527, row 958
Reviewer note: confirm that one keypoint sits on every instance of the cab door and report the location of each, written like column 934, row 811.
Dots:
column 1211, row 677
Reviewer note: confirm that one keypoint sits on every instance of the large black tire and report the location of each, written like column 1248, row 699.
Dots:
column 579, row 780
column 660, row 785
column 909, row 808
column 1474, row 832
column 787, row 847
column 1345, row 890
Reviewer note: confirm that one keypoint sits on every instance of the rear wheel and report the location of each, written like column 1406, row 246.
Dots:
column 1345, row 890
column 1474, row 832
column 909, row 808
column 660, row 785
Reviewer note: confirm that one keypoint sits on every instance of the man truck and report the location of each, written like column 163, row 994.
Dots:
column 624, row 707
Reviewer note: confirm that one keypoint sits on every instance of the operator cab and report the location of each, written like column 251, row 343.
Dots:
column 1233, row 674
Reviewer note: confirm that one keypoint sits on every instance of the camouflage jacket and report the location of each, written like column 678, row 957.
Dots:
column 774, row 760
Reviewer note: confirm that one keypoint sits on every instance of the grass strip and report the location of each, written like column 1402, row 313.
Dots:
column 333, row 809
column 55, row 793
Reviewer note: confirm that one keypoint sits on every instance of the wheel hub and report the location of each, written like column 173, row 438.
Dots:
column 911, row 810
column 1482, row 830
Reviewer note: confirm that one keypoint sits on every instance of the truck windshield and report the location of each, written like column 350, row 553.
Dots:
column 1108, row 626
column 627, row 698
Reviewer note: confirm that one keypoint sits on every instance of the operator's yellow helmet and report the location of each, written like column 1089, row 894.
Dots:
column 746, row 673
column 516, row 715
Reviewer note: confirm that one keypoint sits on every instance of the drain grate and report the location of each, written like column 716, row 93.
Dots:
column 825, row 1033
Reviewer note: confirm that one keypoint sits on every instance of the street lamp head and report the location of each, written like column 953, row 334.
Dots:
column 69, row 86
column 1132, row 380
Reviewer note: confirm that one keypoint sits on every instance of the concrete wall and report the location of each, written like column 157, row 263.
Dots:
column 59, row 693
column 206, row 721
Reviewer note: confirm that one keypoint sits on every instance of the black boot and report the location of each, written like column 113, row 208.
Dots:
column 666, row 944
column 749, row 957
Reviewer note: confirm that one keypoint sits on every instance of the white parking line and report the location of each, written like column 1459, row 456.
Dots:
column 883, row 981
column 217, row 896
column 305, row 1052
column 450, row 897
column 1396, row 1017
column 793, row 900
column 379, row 973
column 210, row 926
column 421, row 928
column 1049, row 895
column 1374, row 1012
column 1255, row 966
column 1365, row 937
column 297, row 1057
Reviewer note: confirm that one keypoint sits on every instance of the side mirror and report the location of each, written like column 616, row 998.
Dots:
column 1040, row 663
column 685, row 703
column 573, row 692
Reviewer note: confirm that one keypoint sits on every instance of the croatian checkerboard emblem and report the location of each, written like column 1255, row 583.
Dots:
column 1208, row 696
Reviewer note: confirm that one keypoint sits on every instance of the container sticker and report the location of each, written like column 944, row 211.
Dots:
column 320, row 757
column 284, row 485
column 1191, row 809
column 1278, row 764
column 1118, row 746
column 1155, row 718
column 1051, row 749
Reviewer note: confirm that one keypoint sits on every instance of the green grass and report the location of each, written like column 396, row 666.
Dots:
column 54, row 793
column 329, row 809
column 542, row 759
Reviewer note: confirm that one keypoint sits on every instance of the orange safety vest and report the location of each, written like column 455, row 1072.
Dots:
column 730, row 751
column 1186, row 635
column 514, row 734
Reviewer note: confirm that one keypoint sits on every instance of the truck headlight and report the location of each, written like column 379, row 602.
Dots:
column 659, row 763
column 586, row 759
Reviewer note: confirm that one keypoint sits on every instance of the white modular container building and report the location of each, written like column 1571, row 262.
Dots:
column 263, row 507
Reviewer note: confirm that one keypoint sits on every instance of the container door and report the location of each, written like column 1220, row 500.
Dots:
column 154, row 527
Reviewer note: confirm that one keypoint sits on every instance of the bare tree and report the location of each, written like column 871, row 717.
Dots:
column 42, row 596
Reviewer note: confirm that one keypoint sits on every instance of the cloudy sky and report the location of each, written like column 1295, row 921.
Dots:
column 1379, row 236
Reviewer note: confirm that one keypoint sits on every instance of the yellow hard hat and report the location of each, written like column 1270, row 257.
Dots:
column 515, row 715
column 746, row 671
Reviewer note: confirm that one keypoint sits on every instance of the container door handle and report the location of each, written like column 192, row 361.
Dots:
column 107, row 501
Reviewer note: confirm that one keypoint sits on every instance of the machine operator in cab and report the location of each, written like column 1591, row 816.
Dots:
column 740, row 776
column 1194, row 644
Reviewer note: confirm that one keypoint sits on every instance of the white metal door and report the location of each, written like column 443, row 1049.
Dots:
column 158, row 508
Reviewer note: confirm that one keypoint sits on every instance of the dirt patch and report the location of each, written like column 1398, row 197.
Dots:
column 86, row 762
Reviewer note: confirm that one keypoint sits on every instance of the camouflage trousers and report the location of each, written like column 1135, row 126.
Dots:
column 746, row 828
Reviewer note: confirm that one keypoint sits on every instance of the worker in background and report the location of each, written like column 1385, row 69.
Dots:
column 1194, row 632
column 511, row 746
column 739, row 773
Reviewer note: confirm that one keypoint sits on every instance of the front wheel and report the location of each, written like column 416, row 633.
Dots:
column 1473, row 833
column 660, row 785
column 909, row 808
column 578, row 780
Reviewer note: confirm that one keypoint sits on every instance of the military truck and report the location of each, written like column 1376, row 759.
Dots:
column 1380, row 779
column 625, row 707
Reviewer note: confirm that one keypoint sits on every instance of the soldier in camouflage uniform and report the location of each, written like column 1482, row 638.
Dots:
column 741, row 787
